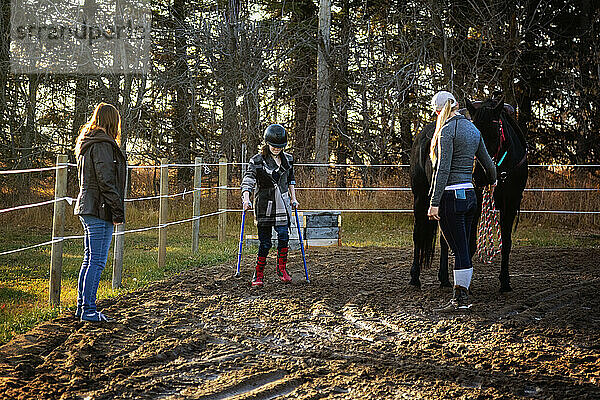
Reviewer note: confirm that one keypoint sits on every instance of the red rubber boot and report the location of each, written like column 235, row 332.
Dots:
column 281, row 264
column 257, row 280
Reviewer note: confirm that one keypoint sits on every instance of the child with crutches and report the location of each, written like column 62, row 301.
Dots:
column 270, row 175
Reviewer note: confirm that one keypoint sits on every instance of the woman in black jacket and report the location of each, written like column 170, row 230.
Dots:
column 102, row 169
column 270, row 175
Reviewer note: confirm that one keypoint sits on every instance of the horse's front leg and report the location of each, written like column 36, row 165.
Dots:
column 443, row 272
column 507, row 218
column 415, row 270
column 419, row 252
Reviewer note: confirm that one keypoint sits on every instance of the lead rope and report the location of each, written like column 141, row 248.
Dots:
column 489, row 238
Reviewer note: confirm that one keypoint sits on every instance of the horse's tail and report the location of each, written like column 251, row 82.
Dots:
column 424, row 237
column 425, row 231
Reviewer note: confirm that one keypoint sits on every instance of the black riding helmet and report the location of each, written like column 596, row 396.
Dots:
column 276, row 136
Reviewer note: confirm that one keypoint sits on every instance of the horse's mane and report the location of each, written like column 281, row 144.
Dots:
column 514, row 125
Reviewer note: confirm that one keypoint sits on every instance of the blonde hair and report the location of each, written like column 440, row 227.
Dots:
column 105, row 117
column 442, row 117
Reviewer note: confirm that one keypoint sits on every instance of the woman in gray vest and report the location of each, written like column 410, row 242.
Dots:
column 270, row 175
column 454, row 145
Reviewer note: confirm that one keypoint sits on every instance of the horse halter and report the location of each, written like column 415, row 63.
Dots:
column 501, row 141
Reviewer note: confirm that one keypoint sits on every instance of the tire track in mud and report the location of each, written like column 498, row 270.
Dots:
column 552, row 301
column 268, row 385
column 357, row 331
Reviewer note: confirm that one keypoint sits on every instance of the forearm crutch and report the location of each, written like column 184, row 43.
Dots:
column 237, row 272
column 301, row 244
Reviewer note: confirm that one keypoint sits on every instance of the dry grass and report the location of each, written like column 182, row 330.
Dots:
column 145, row 183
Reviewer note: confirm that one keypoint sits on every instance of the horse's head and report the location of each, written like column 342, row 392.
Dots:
column 486, row 117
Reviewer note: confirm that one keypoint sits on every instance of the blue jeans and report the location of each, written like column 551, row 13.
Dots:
column 264, row 236
column 97, row 238
column 456, row 217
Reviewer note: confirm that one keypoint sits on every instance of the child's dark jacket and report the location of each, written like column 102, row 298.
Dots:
column 270, row 185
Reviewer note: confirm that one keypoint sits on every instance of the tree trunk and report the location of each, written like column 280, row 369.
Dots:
column 342, row 80
column 182, row 99
column 301, row 81
column 588, row 64
column 82, row 100
column 4, row 61
column 231, row 143
column 323, row 92
column 126, row 111
column 28, row 137
column 254, row 133
column 510, row 65
column 439, row 26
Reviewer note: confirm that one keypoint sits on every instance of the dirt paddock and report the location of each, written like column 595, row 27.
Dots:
column 357, row 331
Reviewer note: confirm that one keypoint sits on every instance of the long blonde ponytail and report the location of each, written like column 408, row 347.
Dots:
column 443, row 116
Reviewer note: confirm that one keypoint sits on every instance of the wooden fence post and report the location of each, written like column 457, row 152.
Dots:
column 222, row 198
column 117, row 277
column 197, row 197
column 163, row 213
column 58, row 230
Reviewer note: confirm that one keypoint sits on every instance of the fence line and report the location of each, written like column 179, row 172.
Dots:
column 559, row 212
column 374, row 189
column 332, row 165
column 183, row 165
column 222, row 198
column 59, row 219
column 171, row 195
column 43, row 203
column 562, row 189
column 60, row 194
column 58, row 229
column 565, row 165
column 163, row 213
column 353, row 210
column 175, row 165
column 349, row 210
column 70, row 200
column 405, row 165
column 407, row 189
column 60, row 239
column 23, row 171
column 27, row 248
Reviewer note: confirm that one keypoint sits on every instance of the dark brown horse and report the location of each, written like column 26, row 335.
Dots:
column 507, row 146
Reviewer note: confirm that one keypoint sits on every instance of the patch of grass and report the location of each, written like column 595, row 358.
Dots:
column 395, row 230
column 531, row 234
column 385, row 230
column 14, row 295
column 22, row 319
column 24, row 276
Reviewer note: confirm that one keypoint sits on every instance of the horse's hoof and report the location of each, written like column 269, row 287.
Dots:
column 415, row 282
column 505, row 288
column 445, row 284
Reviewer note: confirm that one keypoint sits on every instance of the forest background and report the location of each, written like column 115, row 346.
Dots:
column 222, row 70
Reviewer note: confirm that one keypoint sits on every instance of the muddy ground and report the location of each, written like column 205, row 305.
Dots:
column 357, row 331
